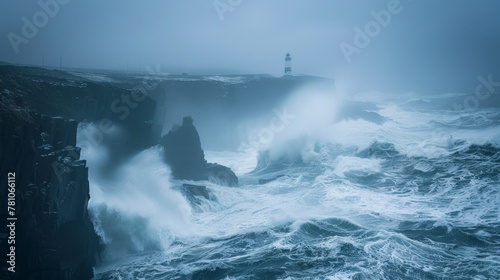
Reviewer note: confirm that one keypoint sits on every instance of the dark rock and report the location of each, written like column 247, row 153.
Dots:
column 195, row 194
column 221, row 175
column 195, row 190
column 183, row 152
column 55, row 238
column 184, row 155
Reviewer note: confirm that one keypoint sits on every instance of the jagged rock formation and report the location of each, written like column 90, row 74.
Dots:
column 184, row 155
column 55, row 238
column 195, row 190
column 221, row 175
column 195, row 194
column 183, row 152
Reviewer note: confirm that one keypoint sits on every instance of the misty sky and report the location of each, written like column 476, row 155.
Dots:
column 441, row 45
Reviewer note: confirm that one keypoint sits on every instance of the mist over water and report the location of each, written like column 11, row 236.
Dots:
column 414, row 196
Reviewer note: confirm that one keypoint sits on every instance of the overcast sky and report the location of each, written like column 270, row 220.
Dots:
column 429, row 44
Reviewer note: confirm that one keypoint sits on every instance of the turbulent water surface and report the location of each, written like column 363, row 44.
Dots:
column 414, row 197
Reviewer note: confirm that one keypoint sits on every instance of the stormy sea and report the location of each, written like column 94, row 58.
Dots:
column 370, row 185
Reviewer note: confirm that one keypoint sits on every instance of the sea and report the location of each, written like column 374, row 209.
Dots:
column 410, row 189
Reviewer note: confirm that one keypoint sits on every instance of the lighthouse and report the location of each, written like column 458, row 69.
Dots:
column 288, row 64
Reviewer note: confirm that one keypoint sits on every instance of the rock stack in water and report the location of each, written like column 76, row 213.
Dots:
column 184, row 155
column 54, row 237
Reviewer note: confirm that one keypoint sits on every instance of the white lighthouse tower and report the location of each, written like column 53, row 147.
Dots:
column 288, row 64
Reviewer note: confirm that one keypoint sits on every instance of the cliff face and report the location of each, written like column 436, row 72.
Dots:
column 104, row 103
column 222, row 106
column 184, row 155
column 54, row 238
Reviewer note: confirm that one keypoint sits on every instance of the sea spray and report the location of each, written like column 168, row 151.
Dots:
column 133, row 208
column 372, row 204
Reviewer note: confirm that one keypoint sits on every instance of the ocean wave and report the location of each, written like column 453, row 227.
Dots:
column 414, row 197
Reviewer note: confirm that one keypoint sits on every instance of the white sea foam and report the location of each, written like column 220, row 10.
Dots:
column 412, row 217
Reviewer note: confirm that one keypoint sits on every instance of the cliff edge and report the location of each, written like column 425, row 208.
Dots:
column 54, row 237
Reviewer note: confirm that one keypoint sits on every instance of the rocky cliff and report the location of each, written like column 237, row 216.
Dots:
column 123, row 116
column 223, row 103
column 54, row 237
